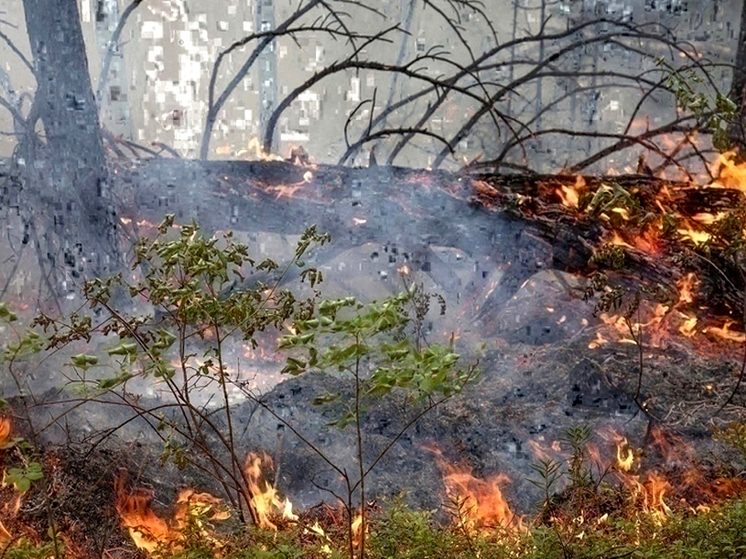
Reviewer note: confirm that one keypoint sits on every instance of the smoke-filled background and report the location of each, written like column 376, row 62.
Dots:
column 522, row 78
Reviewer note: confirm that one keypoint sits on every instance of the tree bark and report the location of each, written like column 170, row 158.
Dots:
column 66, row 172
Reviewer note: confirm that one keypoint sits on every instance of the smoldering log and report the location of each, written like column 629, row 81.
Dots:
column 518, row 221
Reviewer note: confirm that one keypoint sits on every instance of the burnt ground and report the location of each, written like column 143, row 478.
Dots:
column 536, row 383
column 523, row 404
column 549, row 364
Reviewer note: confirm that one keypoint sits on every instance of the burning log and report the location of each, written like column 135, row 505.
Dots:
column 522, row 223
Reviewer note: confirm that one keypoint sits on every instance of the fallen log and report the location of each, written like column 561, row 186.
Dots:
column 522, row 223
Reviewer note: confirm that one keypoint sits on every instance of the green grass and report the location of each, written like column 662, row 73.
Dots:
column 401, row 533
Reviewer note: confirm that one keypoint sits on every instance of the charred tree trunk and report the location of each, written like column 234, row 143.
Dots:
column 66, row 174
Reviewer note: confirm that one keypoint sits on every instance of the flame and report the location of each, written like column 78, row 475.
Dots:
column 4, row 430
column 617, row 240
column 485, row 505
column 255, row 145
column 686, row 286
column 147, row 530
column 707, row 218
column 730, row 174
column 265, row 498
column 619, row 324
column 625, row 456
column 356, row 530
column 688, row 326
column 697, row 237
column 726, row 333
column 151, row 532
column 649, row 240
column 653, row 491
column 570, row 195
column 481, row 504
column 598, row 341
column 654, row 488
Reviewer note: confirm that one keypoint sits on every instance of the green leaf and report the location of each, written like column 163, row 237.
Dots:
column 123, row 348
column 83, row 361
column 109, row 383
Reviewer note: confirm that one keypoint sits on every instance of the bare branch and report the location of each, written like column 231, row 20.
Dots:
column 353, row 148
column 17, row 52
column 112, row 48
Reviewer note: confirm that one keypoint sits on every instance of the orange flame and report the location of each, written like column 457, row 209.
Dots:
column 570, row 195
column 254, row 145
column 688, row 326
column 730, row 174
column 480, row 502
column 4, row 430
column 485, row 505
column 151, row 532
column 653, row 491
column 687, row 286
column 707, row 218
column 625, row 456
column 147, row 530
column 265, row 498
column 697, row 237
column 617, row 240
column 357, row 532
column 726, row 333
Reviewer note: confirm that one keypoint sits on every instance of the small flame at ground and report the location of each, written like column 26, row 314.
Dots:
column 687, row 286
column 151, row 532
column 147, row 530
column 4, row 430
column 265, row 499
column 730, row 174
column 484, row 504
column 255, row 146
column 480, row 503
column 625, row 456
column 570, row 195
column 726, row 333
